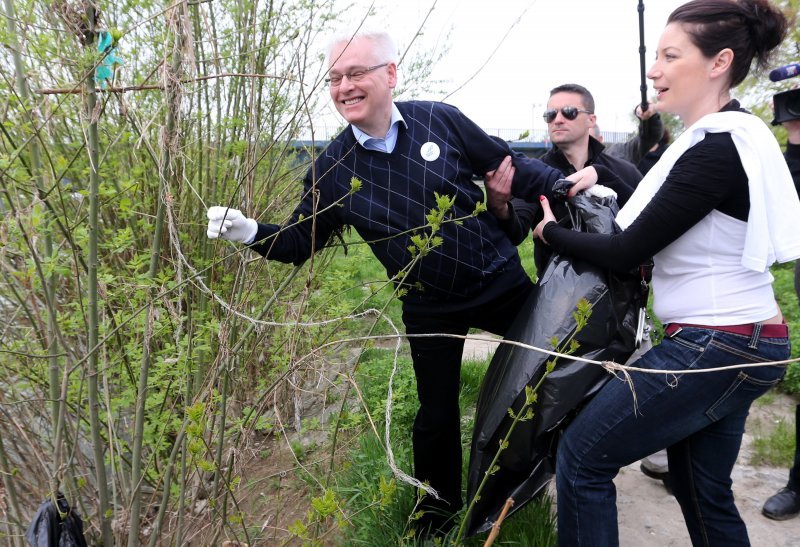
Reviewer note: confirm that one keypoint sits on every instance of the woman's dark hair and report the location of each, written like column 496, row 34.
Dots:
column 750, row 28
column 666, row 137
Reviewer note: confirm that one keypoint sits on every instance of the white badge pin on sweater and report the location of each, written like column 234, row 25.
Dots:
column 429, row 151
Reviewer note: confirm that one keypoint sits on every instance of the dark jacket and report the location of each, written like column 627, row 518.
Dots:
column 525, row 215
column 651, row 158
column 624, row 169
column 792, row 156
column 649, row 133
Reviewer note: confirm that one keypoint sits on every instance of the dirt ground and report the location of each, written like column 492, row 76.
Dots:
column 649, row 515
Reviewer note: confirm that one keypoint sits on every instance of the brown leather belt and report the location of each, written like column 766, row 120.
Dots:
column 769, row 330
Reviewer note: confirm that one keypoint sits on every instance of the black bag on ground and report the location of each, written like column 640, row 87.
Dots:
column 527, row 465
column 48, row 529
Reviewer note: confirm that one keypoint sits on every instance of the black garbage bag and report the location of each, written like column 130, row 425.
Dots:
column 48, row 529
column 528, row 464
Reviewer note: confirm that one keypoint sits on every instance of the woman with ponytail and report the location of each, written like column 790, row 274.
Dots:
column 714, row 213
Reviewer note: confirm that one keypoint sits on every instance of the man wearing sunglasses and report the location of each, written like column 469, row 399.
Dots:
column 385, row 175
column 570, row 119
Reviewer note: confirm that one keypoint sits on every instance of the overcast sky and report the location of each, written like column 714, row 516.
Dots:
column 550, row 42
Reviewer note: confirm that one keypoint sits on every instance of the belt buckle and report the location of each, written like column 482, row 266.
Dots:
column 675, row 332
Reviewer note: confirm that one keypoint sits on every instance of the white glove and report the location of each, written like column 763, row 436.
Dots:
column 230, row 224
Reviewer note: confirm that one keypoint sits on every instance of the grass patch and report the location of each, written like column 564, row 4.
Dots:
column 767, row 399
column 472, row 373
column 380, row 511
column 787, row 300
column 776, row 448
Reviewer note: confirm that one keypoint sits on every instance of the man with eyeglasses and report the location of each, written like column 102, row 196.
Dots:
column 386, row 175
column 570, row 119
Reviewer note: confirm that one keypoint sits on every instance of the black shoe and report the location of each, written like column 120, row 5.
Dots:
column 653, row 474
column 783, row 505
column 662, row 476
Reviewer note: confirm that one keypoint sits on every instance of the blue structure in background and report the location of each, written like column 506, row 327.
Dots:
column 532, row 145
column 529, row 148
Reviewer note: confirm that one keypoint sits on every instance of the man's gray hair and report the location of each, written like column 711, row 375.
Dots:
column 383, row 45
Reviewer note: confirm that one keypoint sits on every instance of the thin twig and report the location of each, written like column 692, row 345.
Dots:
column 160, row 87
column 492, row 54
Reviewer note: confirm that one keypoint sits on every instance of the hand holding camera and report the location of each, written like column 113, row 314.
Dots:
column 787, row 103
column 787, row 106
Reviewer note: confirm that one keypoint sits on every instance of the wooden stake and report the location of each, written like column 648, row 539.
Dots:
column 496, row 527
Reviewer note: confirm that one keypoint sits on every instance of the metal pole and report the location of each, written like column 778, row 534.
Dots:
column 642, row 49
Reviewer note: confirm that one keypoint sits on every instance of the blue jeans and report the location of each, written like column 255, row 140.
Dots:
column 700, row 418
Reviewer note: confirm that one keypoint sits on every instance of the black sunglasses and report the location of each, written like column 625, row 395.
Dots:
column 569, row 112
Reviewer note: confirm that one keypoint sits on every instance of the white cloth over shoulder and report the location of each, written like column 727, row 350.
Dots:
column 772, row 224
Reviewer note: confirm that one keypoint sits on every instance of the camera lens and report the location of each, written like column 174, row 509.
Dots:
column 793, row 104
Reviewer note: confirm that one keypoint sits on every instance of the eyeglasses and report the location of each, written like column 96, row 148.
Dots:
column 569, row 112
column 355, row 75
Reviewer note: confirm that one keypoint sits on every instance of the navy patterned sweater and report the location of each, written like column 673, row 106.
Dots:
column 397, row 191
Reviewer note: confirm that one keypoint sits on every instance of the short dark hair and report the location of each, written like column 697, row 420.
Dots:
column 750, row 28
column 586, row 97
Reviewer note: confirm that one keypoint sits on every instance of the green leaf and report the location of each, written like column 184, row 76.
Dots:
column 206, row 466
column 326, row 504
column 530, row 395
column 299, row 529
column 387, row 490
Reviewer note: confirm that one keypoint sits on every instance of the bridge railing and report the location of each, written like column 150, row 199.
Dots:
column 541, row 135
column 324, row 133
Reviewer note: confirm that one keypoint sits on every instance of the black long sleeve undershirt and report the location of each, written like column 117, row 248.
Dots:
column 708, row 176
column 792, row 156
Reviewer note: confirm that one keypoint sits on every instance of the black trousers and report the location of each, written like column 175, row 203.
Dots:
column 794, row 472
column 436, row 433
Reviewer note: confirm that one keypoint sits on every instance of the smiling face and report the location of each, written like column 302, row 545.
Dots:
column 688, row 84
column 564, row 132
column 367, row 103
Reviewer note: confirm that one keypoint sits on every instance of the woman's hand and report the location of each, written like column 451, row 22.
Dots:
column 548, row 217
column 792, row 130
column 583, row 179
